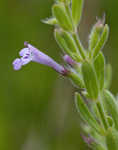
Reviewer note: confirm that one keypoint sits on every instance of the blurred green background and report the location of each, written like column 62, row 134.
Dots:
column 37, row 110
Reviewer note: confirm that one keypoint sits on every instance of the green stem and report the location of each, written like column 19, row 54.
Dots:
column 79, row 45
column 101, row 112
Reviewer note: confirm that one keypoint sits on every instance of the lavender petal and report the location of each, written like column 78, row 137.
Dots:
column 17, row 64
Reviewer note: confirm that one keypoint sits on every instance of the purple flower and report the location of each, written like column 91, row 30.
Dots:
column 30, row 53
column 88, row 140
column 69, row 60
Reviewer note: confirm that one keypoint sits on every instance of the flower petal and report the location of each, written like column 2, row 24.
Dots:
column 17, row 64
column 24, row 51
column 25, row 60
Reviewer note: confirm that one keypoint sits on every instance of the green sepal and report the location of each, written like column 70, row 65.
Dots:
column 90, row 80
column 77, row 57
column 69, row 41
column 50, row 21
column 102, row 41
column 77, row 6
column 61, row 42
column 112, row 139
column 59, row 11
column 76, row 79
column 111, row 106
column 99, row 65
column 85, row 113
column 108, row 76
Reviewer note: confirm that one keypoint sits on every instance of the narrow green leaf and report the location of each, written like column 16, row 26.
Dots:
column 90, row 80
column 85, row 113
column 62, row 17
column 99, row 65
column 111, row 106
column 77, row 6
column 101, row 41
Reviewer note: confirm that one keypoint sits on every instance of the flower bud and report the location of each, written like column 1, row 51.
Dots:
column 69, row 60
column 96, row 33
column 102, row 40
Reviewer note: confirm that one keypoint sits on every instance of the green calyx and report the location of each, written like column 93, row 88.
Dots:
column 60, row 12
